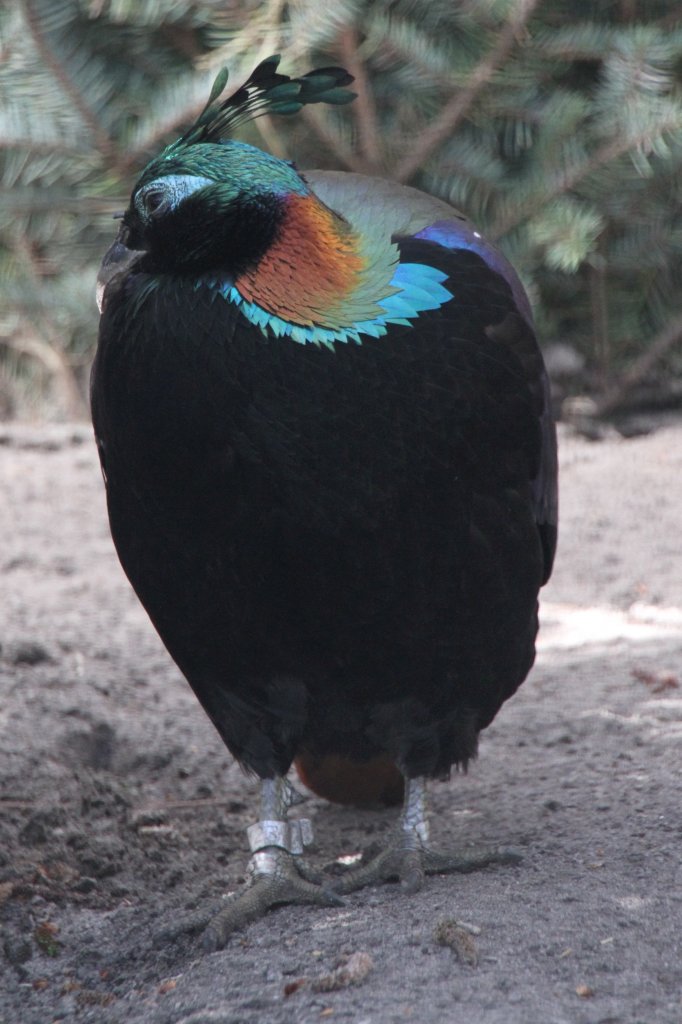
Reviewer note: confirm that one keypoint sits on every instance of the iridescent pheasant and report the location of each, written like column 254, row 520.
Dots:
column 324, row 425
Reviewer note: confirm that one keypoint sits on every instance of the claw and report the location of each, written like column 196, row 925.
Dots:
column 411, row 865
column 278, row 872
column 438, row 863
column 282, row 878
column 409, row 857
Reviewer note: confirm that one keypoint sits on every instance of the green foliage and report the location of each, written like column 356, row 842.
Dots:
column 565, row 232
column 73, row 82
column 556, row 125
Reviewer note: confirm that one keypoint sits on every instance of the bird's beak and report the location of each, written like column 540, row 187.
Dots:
column 117, row 261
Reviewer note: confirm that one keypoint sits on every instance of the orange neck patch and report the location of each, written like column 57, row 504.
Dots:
column 312, row 267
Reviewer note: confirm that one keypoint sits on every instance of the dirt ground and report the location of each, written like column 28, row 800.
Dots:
column 122, row 816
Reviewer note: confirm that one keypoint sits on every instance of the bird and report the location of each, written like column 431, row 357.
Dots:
column 325, row 431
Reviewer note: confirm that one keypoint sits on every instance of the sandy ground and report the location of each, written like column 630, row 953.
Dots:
column 121, row 814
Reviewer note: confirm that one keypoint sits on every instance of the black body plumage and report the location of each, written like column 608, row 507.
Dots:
column 341, row 549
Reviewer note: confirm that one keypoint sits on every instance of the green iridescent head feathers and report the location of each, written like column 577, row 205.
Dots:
column 266, row 91
column 253, row 230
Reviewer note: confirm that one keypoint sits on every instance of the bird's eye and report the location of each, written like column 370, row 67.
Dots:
column 155, row 202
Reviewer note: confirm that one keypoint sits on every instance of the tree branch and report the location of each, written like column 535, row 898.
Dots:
column 568, row 179
column 363, row 109
column 57, row 365
column 446, row 123
column 102, row 139
column 342, row 153
column 600, row 313
column 659, row 347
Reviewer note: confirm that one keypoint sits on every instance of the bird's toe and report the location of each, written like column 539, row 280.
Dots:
column 410, row 864
column 277, row 878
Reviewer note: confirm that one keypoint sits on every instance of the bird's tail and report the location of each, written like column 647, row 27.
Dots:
column 361, row 783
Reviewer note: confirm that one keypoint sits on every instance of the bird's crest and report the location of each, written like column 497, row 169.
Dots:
column 265, row 91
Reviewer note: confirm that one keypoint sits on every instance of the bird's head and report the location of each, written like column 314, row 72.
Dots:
column 236, row 221
column 208, row 202
column 210, row 206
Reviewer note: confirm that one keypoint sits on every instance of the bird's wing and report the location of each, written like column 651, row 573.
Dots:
column 399, row 211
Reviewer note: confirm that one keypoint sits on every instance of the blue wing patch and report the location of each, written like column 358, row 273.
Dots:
column 455, row 235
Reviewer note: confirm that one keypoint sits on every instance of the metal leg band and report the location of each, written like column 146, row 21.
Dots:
column 292, row 836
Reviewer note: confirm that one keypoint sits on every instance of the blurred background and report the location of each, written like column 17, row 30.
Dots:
column 556, row 125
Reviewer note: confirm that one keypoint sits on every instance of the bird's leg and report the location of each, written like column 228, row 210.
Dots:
column 409, row 857
column 277, row 871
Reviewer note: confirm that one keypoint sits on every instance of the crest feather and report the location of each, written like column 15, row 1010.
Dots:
column 265, row 91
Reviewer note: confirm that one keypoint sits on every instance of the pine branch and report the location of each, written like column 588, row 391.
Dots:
column 155, row 140
column 663, row 342
column 181, row 40
column 40, row 201
column 102, row 139
column 443, row 127
column 363, row 109
column 568, row 179
column 274, row 141
column 54, row 360
column 40, row 148
column 260, row 36
column 343, row 154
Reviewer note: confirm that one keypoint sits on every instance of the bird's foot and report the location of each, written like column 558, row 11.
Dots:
column 278, row 875
column 409, row 860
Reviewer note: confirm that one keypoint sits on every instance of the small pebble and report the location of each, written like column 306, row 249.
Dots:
column 352, row 972
column 449, row 932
